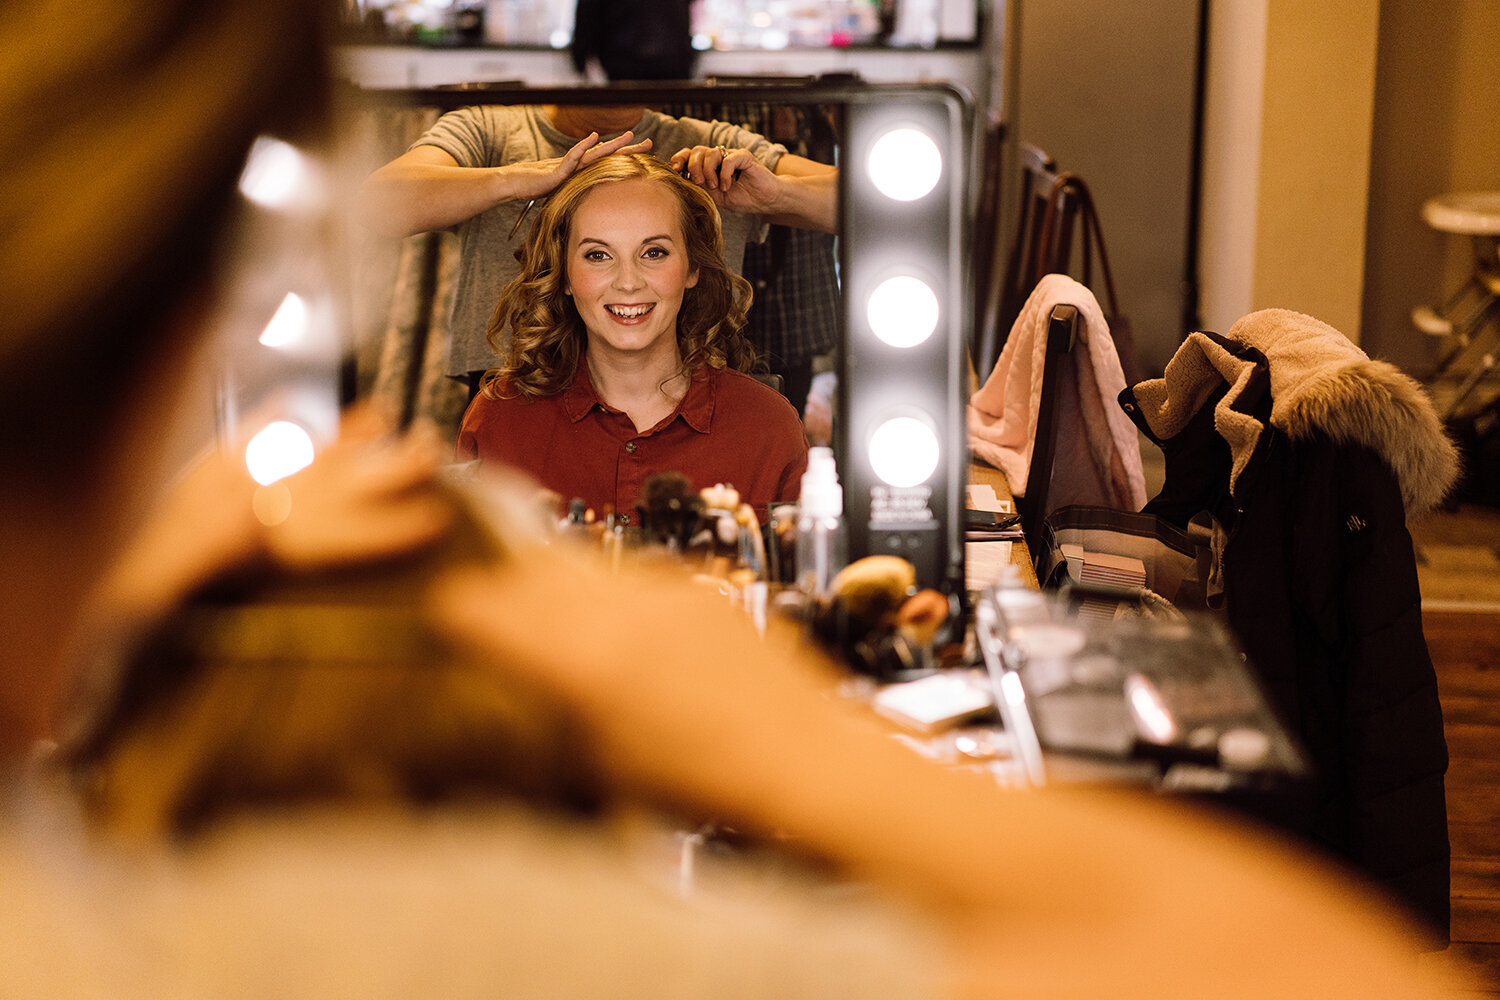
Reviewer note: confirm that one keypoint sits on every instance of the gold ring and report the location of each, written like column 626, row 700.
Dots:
column 722, row 151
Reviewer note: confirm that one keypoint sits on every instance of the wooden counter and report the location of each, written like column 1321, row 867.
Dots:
column 981, row 473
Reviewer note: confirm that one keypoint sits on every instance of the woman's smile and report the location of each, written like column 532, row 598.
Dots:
column 630, row 314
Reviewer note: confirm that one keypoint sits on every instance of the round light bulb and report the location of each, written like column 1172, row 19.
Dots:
column 904, row 451
column 289, row 324
column 905, row 164
column 276, row 174
column 280, row 449
column 903, row 311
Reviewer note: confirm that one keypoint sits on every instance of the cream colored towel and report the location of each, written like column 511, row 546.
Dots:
column 1098, row 459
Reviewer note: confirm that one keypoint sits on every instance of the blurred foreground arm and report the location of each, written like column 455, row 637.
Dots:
column 1043, row 893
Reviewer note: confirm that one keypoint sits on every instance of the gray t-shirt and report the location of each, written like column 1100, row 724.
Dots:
column 494, row 135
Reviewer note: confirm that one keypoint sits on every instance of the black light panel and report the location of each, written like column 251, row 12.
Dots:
column 902, row 449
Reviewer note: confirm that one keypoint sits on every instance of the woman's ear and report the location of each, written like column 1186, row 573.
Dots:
column 692, row 279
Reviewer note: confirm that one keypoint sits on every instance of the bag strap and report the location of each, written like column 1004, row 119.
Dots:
column 1093, row 241
column 1086, row 218
column 1057, row 196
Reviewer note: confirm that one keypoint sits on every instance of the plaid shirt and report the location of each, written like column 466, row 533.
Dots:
column 795, row 314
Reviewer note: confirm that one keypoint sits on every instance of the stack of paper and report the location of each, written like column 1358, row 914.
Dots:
column 1102, row 571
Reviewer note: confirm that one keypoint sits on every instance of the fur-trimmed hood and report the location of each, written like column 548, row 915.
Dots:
column 1321, row 384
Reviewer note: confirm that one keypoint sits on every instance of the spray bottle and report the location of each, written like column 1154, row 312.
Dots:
column 820, row 524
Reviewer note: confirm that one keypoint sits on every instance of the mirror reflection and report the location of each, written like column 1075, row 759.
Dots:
column 452, row 197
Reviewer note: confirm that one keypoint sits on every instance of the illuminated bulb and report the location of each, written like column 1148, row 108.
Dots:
column 289, row 325
column 279, row 450
column 904, row 451
column 905, row 164
column 275, row 174
column 903, row 311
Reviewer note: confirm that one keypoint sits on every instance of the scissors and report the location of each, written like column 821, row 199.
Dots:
column 521, row 218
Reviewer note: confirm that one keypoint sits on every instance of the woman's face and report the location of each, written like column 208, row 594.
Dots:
column 627, row 268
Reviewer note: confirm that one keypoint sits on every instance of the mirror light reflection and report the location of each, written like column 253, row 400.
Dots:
column 903, row 311
column 289, row 324
column 277, row 175
column 278, row 450
column 904, row 451
column 905, row 164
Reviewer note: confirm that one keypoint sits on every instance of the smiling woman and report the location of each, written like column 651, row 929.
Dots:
column 627, row 271
column 624, row 350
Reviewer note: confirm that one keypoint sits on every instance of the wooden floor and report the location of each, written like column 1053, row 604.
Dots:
column 1465, row 650
column 1465, row 645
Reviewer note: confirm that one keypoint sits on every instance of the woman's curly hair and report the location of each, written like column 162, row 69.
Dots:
column 547, row 336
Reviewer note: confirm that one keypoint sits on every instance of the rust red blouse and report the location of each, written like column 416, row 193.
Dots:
column 729, row 428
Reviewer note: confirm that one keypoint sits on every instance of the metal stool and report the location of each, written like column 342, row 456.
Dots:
column 1474, row 309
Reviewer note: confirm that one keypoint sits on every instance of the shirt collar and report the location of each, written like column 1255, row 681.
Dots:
column 696, row 408
column 579, row 397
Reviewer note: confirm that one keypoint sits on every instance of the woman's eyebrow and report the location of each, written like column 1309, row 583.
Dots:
column 658, row 238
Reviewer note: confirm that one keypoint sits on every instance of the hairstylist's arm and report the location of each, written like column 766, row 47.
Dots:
column 1043, row 893
column 801, row 192
column 425, row 189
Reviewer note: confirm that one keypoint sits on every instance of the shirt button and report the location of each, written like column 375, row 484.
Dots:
column 630, row 447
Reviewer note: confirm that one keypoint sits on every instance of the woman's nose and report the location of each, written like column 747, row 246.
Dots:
column 628, row 275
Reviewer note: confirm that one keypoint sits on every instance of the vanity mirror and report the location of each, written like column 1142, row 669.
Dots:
column 902, row 295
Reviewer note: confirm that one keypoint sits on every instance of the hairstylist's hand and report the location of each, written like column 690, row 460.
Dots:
column 367, row 495
column 733, row 178
column 537, row 178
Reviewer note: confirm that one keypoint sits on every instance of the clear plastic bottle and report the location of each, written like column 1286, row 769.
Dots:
column 820, row 524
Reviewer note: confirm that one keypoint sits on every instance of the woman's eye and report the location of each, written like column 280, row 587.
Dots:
column 654, row 253
column 595, row 255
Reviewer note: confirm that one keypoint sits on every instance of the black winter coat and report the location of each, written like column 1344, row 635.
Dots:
column 1310, row 456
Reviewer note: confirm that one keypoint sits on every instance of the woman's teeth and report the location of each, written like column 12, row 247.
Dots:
column 629, row 312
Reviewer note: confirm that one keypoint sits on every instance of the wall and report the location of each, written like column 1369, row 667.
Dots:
column 1366, row 113
column 1436, row 129
column 1234, row 94
column 1106, row 88
column 1285, row 195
